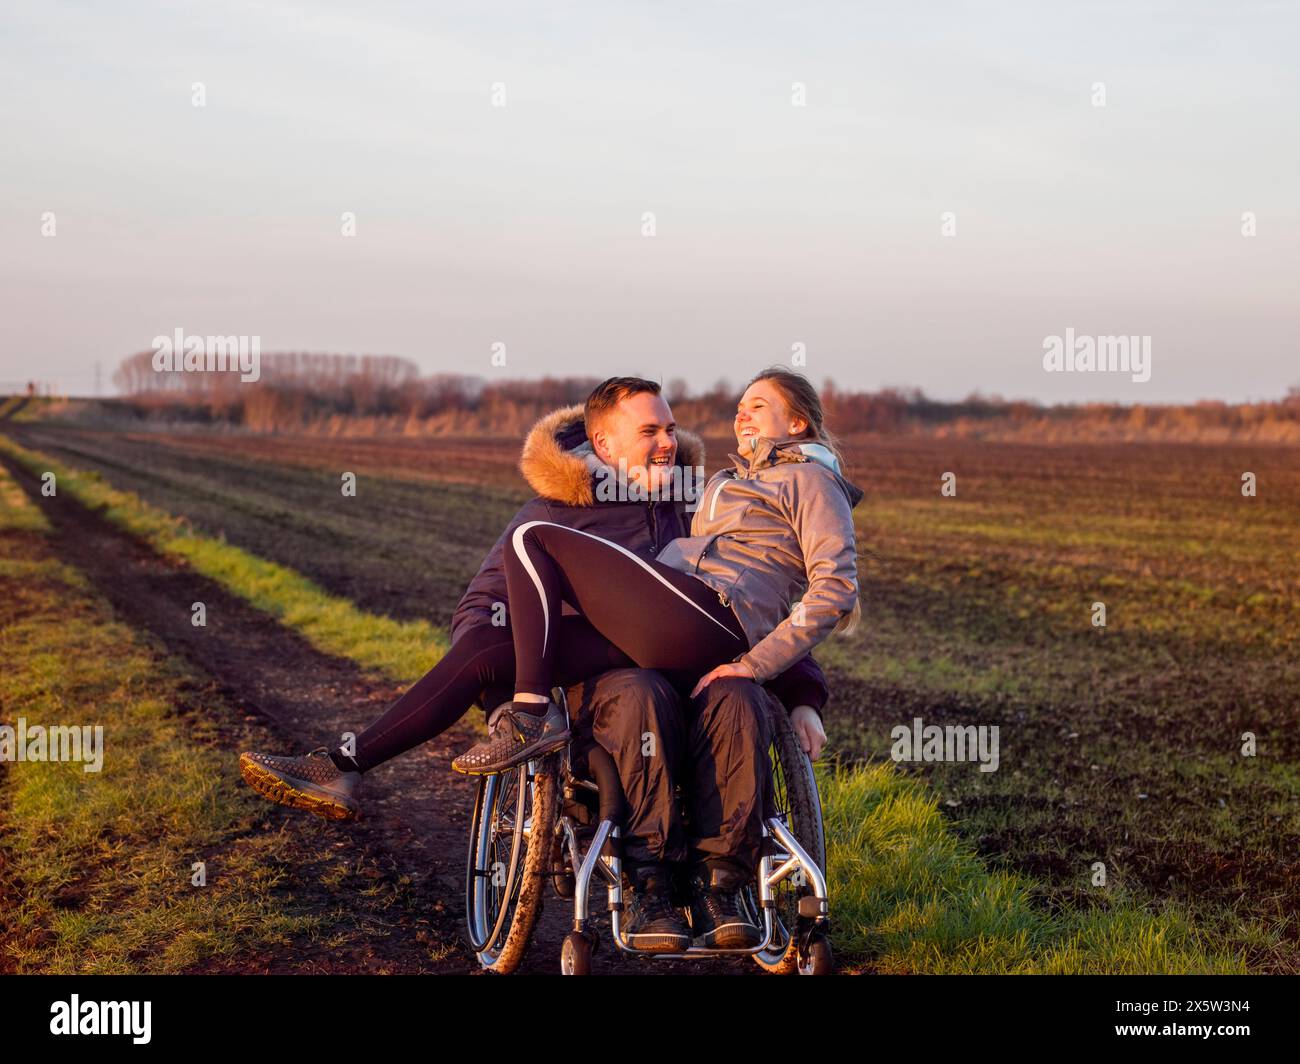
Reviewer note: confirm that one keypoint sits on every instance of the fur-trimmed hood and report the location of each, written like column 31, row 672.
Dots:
column 559, row 464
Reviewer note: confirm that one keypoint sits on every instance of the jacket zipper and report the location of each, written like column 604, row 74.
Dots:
column 722, row 595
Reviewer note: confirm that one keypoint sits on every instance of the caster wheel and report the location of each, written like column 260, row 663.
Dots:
column 819, row 960
column 575, row 956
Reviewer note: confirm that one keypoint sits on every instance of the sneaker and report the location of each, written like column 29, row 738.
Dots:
column 652, row 924
column 515, row 736
column 716, row 912
column 312, row 782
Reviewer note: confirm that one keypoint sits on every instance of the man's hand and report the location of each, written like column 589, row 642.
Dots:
column 732, row 668
column 808, row 726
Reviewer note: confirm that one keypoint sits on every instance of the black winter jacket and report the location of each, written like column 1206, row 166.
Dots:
column 557, row 463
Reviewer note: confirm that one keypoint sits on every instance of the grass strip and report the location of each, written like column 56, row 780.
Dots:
column 96, row 867
column 398, row 650
column 915, row 897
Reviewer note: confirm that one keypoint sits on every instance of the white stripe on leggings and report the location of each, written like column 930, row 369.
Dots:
column 517, row 542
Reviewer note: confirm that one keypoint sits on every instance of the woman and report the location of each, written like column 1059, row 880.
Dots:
column 717, row 602
column 792, row 468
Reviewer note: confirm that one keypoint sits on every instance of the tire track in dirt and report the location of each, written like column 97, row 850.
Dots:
column 415, row 809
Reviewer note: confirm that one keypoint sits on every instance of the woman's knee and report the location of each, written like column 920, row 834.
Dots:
column 538, row 534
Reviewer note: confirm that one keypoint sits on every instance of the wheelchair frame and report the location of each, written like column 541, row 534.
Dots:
column 504, row 899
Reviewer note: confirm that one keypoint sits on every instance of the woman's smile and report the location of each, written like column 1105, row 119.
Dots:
column 763, row 412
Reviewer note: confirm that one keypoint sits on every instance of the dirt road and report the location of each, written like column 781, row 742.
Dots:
column 415, row 808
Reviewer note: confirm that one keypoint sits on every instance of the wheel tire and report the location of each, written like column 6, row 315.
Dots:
column 795, row 788
column 506, row 953
column 820, row 960
column 575, row 955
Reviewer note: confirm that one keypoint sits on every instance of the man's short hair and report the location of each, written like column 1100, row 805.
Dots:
column 608, row 394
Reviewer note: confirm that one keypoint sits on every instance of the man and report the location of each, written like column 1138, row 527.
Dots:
column 619, row 468
column 607, row 468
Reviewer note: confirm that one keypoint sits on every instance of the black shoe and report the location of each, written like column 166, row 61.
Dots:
column 716, row 912
column 651, row 923
column 514, row 736
column 312, row 782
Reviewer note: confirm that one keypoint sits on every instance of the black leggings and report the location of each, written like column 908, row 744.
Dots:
column 480, row 666
column 659, row 617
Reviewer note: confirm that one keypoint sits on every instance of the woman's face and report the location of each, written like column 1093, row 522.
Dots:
column 762, row 412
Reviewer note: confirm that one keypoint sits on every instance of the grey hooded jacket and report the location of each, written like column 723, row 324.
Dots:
column 556, row 463
column 772, row 527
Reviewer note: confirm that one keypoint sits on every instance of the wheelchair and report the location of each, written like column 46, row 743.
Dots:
column 540, row 824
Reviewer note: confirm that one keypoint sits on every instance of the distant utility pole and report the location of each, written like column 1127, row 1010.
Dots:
column 99, row 389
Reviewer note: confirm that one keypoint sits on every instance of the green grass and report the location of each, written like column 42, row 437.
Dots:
column 97, row 865
column 399, row 650
column 17, row 514
column 915, row 898
column 24, row 408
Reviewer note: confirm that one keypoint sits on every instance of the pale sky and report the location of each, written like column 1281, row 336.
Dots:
column 774, row 224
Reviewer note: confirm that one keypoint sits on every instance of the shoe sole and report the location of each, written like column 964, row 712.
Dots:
column 733, row 936
column 658, row 943
column 527, row 753
column 278, row 789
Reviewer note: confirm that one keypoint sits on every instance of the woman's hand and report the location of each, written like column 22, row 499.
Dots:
column 808, row 726
column 732, row 668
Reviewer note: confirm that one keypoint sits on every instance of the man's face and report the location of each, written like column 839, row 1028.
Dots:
column 641, row 432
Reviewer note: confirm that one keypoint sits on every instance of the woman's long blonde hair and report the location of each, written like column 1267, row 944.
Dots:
column 802, row 401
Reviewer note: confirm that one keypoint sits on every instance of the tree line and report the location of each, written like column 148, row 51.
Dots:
column 379, row 394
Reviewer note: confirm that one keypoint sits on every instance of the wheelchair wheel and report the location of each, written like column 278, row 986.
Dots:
column 797, row 803
column 819, row 960
column 510, row 848
column 575, row 955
